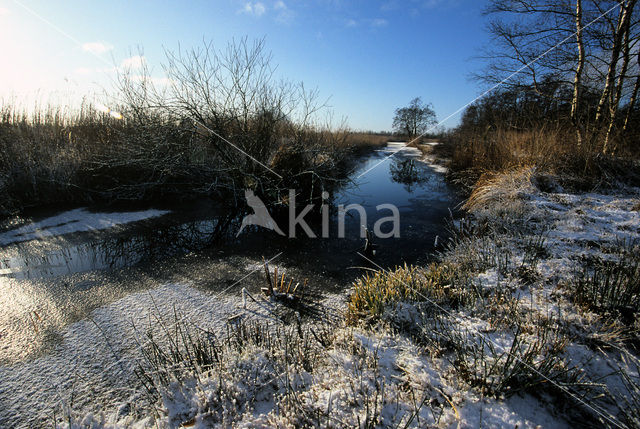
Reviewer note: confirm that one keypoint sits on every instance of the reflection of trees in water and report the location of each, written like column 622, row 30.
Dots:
column 406, row 171
column 154, row 243
column 125, row 249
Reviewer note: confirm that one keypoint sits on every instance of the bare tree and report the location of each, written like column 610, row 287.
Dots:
column 581, row 45
column 577, row 81
column 248, row 128
column 415, row 119
column 634, row 95
column 622, row 46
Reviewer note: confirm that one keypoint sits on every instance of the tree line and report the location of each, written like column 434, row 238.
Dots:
column 575, row 62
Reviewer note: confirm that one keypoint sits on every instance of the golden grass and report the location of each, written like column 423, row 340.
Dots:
column 501, row 189
column 373, row 293
column 479, row 153
column 502, row 149
column 366, row 139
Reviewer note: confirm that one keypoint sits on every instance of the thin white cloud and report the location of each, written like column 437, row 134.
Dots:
column 428, row 4
column 351, row 23
column 256, row 9
column 159, row 81
column 259, row 9
column 389, row 5
column 379, row 22
column 134, row 62
column 285, row 15
column 4, row 11
column 92, row 70
column 96, row 47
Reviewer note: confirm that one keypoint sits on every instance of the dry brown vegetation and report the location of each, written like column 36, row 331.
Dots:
column 564, row 105
column 237, row 129
column 476, row 155
column 366, row 140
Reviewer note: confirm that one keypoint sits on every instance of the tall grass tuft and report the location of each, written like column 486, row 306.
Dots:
column 251, row 362
column 610, row 287
column 374, row 293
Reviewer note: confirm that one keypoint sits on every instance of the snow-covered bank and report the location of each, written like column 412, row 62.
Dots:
column 509, row 329
column 77, row 220
column 92, row 368
column 515, row 351
column 436, row 163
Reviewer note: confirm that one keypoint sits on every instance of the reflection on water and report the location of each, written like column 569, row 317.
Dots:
column 406, row 171
column 109, row 251
column 48, row 283
column 412, row 186
column 420, row 194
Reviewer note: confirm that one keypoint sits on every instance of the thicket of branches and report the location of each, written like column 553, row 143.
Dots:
column 568, row 73
column 581, row 53
column 220, row 122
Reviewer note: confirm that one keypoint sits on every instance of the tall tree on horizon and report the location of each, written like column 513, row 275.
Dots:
column 415, row 119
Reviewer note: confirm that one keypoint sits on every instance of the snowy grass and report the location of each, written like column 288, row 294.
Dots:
column 517, row 324
column 243, row 370
column 610, row 287
column 540, row 273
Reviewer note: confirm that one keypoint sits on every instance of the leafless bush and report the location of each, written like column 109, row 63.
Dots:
column 219, row 123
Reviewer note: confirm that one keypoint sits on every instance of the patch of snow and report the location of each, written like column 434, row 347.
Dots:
column 396, row 147
column 438, row 168
column 95, row 358
column 77, row 220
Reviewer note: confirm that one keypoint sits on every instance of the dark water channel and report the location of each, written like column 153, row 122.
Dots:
column 49, row 282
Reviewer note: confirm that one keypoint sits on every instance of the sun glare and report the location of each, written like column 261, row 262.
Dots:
column 104, row 109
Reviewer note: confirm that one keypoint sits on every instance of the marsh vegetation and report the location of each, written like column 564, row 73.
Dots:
column 221, row 123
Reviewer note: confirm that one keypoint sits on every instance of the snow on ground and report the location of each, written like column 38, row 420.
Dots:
column 438, row 168
column 77, row 220
column 433, row 161
column 368, row 372
column 576, row 231
column 94, row 360
column 579, row 226
column 395, row 147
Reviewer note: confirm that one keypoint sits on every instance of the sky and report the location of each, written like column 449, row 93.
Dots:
column 365, row 57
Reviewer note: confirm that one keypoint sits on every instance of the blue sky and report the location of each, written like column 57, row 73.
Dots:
column 366, row 57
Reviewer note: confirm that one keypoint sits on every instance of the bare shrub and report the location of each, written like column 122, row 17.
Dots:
column 219, row 123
